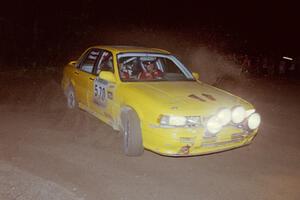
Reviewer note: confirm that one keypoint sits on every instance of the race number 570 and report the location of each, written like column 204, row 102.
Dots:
column 100, row 92
column 100, row 89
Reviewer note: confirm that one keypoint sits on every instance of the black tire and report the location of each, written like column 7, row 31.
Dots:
column 71, row 98
column 132, row 133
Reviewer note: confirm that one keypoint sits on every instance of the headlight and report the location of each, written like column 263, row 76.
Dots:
column 164, row 120
column 254, row 121
column 224, row 116
column 193, row 120
column 238, row 114
column 213, row 125
column 179, row 120
column 173, row 120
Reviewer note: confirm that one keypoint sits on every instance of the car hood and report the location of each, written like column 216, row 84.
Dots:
column 186, row 97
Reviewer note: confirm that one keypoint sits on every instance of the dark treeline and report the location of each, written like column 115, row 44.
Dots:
column 41, row 33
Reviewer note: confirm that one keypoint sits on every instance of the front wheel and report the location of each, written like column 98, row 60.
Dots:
column 132, row 134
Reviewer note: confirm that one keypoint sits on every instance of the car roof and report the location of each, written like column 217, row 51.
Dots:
column 124, row 49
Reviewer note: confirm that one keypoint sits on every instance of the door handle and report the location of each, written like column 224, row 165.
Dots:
column 92, row 79
column 76, row 73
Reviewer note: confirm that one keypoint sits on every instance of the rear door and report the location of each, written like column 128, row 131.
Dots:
column 85, row 77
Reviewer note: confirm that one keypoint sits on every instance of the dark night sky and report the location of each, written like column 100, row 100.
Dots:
column 266, row 26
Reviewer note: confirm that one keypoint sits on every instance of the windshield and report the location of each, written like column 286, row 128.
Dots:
column 151, row 67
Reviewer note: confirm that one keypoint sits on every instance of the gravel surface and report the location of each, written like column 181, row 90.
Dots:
column 49, row 152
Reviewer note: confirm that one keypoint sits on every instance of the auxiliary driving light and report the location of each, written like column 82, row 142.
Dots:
column 238, row 114
column 213, row 125
column 254, row 121
column 224, row 116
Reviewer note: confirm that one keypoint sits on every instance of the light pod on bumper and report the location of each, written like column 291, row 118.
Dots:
column 254, row 121
column 238, row 114
column 213, row 125
column 224, row 116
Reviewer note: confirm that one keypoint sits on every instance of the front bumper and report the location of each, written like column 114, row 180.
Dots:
column 193, row 141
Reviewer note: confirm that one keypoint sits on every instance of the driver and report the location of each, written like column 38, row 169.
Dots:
column 150, row 72
column 125, row 72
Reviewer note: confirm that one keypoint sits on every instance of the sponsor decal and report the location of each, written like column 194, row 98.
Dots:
column 110, row 95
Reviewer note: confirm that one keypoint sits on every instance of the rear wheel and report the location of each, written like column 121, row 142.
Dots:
column 132, row 134
column 71, row 98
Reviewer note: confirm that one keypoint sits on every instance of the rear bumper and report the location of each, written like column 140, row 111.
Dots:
column 193, row 141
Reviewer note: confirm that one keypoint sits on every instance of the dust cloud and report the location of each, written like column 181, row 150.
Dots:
column 199, row 54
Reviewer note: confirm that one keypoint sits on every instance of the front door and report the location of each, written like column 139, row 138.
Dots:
column 102, row 99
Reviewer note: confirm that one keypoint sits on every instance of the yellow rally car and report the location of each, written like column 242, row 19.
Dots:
column 156, row 102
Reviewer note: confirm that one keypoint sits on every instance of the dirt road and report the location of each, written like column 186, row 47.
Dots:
column 49, row 152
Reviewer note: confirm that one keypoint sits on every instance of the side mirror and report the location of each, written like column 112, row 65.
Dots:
column 196, row 75
column 108, row 76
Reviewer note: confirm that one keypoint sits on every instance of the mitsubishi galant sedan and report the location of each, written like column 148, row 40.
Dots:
column 156, row 102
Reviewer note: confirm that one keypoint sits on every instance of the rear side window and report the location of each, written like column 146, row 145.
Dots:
column 90, row 60
column 105, row 63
